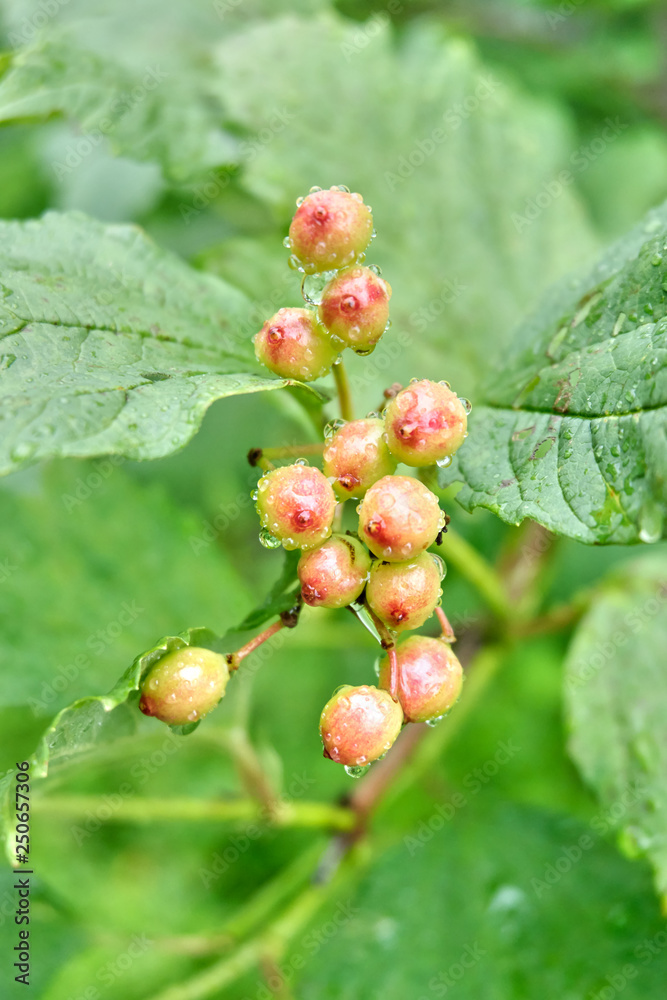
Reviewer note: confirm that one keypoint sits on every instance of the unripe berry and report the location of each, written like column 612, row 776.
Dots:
column 430, row 678
column 404, row 595
column 359, row 724
column 184, row 685
column 293, row 344
column 356, row 456
column 399, row 518
column 330, row 229
column 334, row 575
column 425, row 423
column 355, row 308
column 296, row 505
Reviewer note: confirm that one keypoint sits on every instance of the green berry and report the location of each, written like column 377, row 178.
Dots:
column 355, row 308
column 296, row 505
column 399, row 518
column 404, row 595
column 425, row 423
column 184, row 685
column 356, row 456
column 293, row 344
column 359, row 724
column 334, row 574
column 330, row 229
column 430, row 678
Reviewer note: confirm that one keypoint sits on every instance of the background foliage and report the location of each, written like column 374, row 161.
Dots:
column 503, row 146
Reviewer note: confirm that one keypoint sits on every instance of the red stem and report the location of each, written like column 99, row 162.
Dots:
column 393, row 672
column 447, row 630
column 234, row 659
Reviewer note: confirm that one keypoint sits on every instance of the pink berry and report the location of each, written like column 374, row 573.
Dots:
column 399, row 518
column 425, row 422
column 355, row 308
column 296, row 505
column 293, row 344
column 330, row 229
column 359, row 724
column 356, row 456
column 184, row 685
column 404, row 595
column 430, row 678
column 334, row 575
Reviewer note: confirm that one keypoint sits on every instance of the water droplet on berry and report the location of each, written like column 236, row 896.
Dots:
column 268, row 540
column 442, row 568
column 332, row 427
column 442, row 463
column 312, row 287
column 313, row 189
column 465, row 403
column 436, row 721
column 254, row 494
column 341, row 187
column 446, row 384
column 376, row 665
column 294, row 262
column 193, row 716
column 287, row 242
column 357, row 771
column 363, row 352
column 301, row 462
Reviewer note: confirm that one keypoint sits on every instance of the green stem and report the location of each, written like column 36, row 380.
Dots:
column 311, row 815
column 343, row 389
column 477, row 571
column 273, row 942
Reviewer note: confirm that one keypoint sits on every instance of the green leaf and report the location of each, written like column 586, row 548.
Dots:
column 497, row 904
column 616, row 697
column 574, row 430
column 146, row 113
column 452, row 151
column 110, row 345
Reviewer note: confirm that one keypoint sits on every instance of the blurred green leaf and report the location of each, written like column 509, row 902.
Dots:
column 445, row 151
column 616, row 697
column 574, row 433
column 147, row 114
column 499, row 903
column 109, row 344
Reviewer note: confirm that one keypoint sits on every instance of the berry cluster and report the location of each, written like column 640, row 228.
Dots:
column 385, row 568
column 383, row 571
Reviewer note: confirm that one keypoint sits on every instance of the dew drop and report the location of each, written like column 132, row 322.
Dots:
column 332, row 427
column 375, row 268
column 294, row 262
column 436, row 721
column 443, row 463
column 268, row 540
column 314, row 189
column 287, row 243
column 465, row 403
column 254, row 494
column 446, row 384
column 356, row 771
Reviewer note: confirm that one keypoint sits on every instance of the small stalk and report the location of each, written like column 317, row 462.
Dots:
column 445, row 626
column 234, row 659
column 343, row 389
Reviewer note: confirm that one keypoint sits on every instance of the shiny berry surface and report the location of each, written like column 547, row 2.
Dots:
column 184, row 685
column 330, row 229
column 404, row 595
column 334, row 574
column 425, row 423
column 356, row 456
column 293, row 344
column 359, row 724
column 430, row 678
column 296, row 505
column 399, row 517
column 355, row 308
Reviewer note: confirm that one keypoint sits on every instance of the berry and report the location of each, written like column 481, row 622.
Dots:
column 359, row 724
column 404, row 595
column 293, row 344
column 356, row 456
column 296, row 505
column 334, row 575
column 184, row 685
column 399, row 518
column 355, row 308
column 425, row 423
column 430, row 678
column 330, row 229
